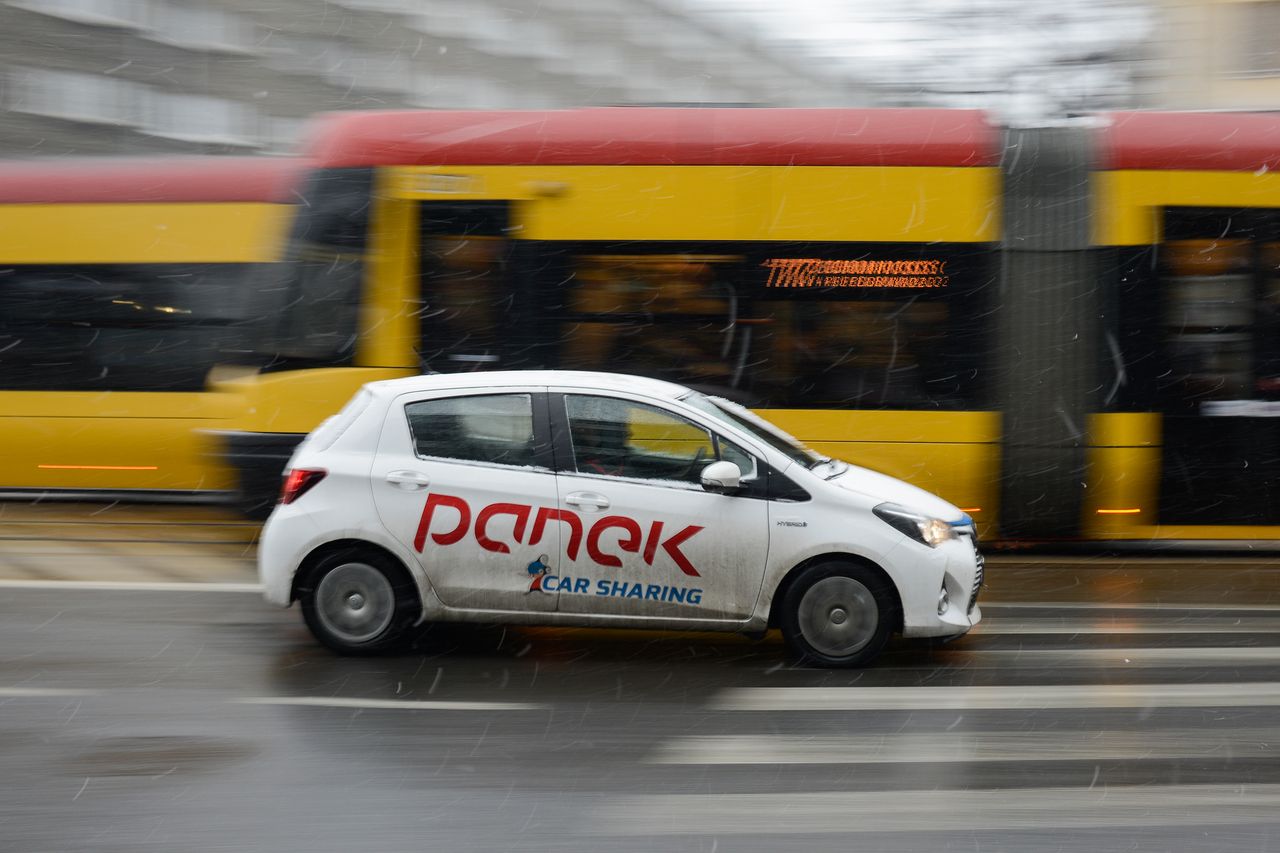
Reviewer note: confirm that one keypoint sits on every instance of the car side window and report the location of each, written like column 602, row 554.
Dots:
column 731, row 452
column 622, row 438
column 491, row 428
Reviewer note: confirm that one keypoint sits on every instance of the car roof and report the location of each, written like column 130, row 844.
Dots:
column 577, row 379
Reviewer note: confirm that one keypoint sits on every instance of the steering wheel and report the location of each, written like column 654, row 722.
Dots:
column 693, row 466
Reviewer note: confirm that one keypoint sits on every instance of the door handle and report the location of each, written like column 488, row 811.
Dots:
column 408, row 480
column 587, row 500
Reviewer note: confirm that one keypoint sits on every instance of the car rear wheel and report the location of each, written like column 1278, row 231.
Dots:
column 359, row 602
column 838, row 615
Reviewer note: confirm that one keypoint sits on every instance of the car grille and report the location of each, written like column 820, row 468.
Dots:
column 977, row 579
column 972, row 535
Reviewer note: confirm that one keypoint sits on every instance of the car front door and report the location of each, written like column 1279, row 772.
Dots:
column 465, row 480
column 649, row 541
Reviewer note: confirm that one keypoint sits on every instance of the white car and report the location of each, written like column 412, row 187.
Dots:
column 568, row 498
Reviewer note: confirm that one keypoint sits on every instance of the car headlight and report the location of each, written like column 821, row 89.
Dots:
column 922, row 528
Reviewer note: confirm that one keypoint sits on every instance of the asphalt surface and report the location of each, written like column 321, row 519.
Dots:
column 150, row 701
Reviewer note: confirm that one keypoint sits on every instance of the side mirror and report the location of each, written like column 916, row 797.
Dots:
column 721, row 477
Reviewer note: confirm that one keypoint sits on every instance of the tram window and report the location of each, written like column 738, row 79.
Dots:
column 317, row 318
column 463, row 302
column 714, row 322
column 465, row 299
column 1220, row 314
column 1218, row 321
column 669, row 317
column 309, row 306
column 132, row 328
column 870, row 354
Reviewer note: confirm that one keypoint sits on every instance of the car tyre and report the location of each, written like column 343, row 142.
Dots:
column 359, row 602
column 838, row 615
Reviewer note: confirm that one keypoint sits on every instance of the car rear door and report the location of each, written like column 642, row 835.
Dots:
column 464, row 479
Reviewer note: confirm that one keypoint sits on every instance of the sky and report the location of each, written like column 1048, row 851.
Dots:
column 1025, row 58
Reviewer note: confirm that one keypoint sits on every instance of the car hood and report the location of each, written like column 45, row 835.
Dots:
column 883, row 488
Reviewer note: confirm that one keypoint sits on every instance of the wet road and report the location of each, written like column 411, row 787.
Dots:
column 1119, row 704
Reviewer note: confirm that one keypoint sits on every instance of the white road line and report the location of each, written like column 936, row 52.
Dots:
column 390, row 704
column 1130, row 656
column 1188, row 559
column 30, row 692
column 945, row 747
column 1084, row 605
column 946, row 810
column 132, row 586
column 1140, row 625
column 1011, row 697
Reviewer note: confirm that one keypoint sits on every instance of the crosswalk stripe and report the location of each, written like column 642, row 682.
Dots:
column 132, row 586
column 1141, row 607
column 1142, row 625
column 390, row 704
column 1126, row 656
column 37, row 692
column 945, row 747
column 1022, row 697
column 946, row 809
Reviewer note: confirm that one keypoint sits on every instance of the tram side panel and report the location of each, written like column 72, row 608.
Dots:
column 121, row 287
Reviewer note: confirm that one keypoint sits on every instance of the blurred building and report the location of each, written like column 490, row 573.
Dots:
column 1023, row 61
column 1215, row 54
column 142, row 76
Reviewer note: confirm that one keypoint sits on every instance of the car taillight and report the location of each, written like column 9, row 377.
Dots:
column 297, row 481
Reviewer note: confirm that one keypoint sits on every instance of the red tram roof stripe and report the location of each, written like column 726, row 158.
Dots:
column 133, row 180
column 1232, row 142
column 652, row 136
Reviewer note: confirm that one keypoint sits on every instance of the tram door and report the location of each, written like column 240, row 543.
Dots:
column 469, row 304
column 1220, row 391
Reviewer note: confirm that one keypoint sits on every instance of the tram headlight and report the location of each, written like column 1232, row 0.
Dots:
column 922, row 528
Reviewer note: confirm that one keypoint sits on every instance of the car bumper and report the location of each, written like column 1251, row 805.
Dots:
column 958, row 568
column 287, row 537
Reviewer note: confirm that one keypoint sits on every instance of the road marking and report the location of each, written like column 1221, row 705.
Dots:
column 117, row 541
column 1193, row 557
column 1082, row 605
column 29, row 692
column 1010, row 697
column 133, row 586
column 106, row 522
column 391, row 704
column 1131, row 657
column 947, row 810
column 1143, row 625
column 946, row 747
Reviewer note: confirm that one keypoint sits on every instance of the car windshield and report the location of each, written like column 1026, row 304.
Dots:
column 743, row 419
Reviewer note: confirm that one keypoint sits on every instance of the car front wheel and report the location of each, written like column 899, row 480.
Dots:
column 359, row 602
column 838, row 615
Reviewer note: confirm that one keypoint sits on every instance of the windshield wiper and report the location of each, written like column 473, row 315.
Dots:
column 838, row 467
